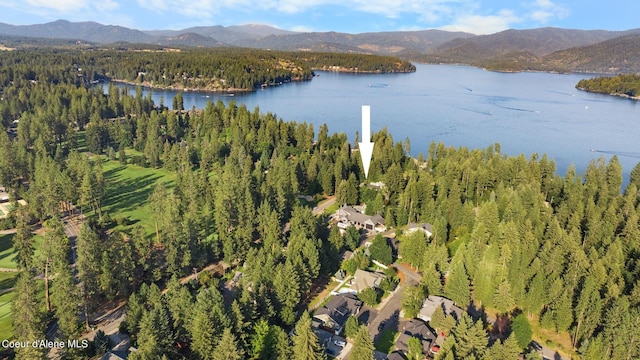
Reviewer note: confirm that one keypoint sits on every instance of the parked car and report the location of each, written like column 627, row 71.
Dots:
column 340, row 343
column 381, row 326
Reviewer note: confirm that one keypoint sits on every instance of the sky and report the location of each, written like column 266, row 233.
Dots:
column 351, row 16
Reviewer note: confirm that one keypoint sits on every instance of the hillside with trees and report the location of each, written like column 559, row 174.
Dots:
column 165, row 191
column 621, row 85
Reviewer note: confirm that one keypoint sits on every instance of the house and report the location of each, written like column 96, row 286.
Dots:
column 396, row 355
column 424, row 227
column 366, row 279
column 334, row 314
column 417, row 329
column 431, row 303
column 349, row 216
column 378, row 185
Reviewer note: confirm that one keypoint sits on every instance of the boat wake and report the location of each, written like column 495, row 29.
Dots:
column 518, row 109
column 474, row 111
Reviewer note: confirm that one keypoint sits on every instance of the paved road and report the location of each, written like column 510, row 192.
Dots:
column 389, row 312
column 72, row 229
column 408, row 272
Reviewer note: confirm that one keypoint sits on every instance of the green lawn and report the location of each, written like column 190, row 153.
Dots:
column 6, row 329
column 7, row 279
column 127, row 190
column 332, row 209
column 386, row 341
column 7, row 253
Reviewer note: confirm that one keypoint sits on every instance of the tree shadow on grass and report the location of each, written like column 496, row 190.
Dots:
column 126, row 194
column 6, row 242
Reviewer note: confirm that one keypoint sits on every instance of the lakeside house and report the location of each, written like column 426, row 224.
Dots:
column 333, row 316
column 349, row 216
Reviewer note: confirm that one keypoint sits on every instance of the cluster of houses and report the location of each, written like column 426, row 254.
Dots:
column 419, row 328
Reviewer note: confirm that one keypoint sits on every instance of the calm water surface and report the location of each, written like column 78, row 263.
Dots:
column 460, row 106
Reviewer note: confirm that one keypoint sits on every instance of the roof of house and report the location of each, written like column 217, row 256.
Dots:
column 377, row 219
column 418, row 329
column 396, row 355
column 366, row 279
column 114, row 355
column 355, row 216
column 432, row 302
column 340, row 307
column 420, row 226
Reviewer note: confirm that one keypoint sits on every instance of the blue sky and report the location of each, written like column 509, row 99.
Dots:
column 475, row 16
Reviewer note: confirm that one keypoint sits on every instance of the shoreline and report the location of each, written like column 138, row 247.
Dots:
column 625, row 96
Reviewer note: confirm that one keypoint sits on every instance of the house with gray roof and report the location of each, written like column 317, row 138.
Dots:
column 426, row 228
column 334, row 314
column 366, row 279
column 349, row 216
column 432, row 302
column 420, row 330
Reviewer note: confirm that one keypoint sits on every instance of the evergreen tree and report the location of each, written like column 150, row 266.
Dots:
column 415, row 349
column 507, row 350
column 457, row 285
column 28, row 322
column 87, row 263
column 23, row 242
column 227, row 348
column 521, row 330
column 351, row 327
column 362, row 345
column 413, row 297
column 305, row 341
column 380, row 250
column 470, row 339
column 502, row 298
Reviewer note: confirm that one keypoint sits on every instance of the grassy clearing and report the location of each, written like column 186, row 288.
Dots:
column 316, row 302
column 7, row 253
column 386, row 341
column 559, row 342
column 332, row 209
column 6, row 318
column 127, row 191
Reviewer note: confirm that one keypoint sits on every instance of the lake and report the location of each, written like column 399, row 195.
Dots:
column 460, row 106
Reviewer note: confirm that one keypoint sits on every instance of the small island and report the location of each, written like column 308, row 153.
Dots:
column 624, row 85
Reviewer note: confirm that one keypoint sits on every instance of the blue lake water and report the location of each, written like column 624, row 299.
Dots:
column 460, row 106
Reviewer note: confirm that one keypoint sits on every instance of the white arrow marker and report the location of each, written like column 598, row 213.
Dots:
column 366, row 146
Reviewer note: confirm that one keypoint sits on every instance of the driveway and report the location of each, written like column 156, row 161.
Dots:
column 323, row 205
column 389, row 313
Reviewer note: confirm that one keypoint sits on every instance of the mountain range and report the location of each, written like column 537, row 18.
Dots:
column 549, row 49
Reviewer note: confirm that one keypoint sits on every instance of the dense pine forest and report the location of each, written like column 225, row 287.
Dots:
column 231, row 69
column 625, row 85
column 220, row 187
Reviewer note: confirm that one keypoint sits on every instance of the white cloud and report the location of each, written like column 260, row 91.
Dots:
column 545, row 10
column 301, row 28
column 58, row 5
column 483, row 24
column 107, row 5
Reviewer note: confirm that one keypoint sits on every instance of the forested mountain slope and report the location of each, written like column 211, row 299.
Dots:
column 509, row 233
